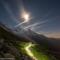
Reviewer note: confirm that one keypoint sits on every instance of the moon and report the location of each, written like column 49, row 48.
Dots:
column 25, row 16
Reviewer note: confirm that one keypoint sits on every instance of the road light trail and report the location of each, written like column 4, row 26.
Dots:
column 27, row 49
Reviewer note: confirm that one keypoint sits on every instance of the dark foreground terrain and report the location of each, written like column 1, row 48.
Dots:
column 10, row 49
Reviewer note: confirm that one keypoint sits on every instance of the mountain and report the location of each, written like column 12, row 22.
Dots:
column 9, row 41
column 39, row 38
column 51, row 44
column 9, row 36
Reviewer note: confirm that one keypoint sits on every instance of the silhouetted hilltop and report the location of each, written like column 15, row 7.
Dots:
column 9, row 39
column 9, row 44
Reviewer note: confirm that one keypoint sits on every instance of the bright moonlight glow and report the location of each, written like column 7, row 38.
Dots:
column 25, row 16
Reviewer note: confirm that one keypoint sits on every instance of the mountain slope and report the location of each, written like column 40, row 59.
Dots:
column 10, row 40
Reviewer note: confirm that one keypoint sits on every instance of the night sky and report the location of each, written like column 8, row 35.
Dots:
column 46, row 11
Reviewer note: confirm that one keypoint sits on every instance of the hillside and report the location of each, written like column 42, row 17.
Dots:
column 10, row 44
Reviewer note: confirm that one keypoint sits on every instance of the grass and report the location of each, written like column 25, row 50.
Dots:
column 39, row 55
column 37, row 52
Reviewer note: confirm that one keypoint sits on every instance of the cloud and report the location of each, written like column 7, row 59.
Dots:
column 35, row 25
column 50, row 34
column 19, row 24
column 31, row 25
column 53, row 35
column 6, row 6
